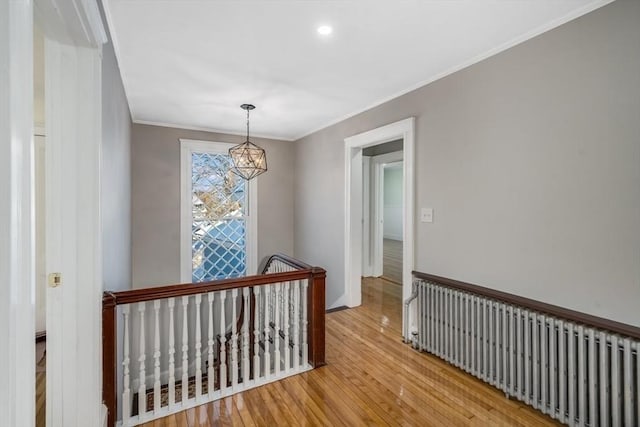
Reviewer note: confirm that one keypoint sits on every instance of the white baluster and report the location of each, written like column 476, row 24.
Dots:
column 142, row 389
column 234, row 338
column 276, row 330
column 256, row 332
column 172, row 351
column 198, row 299
column 285, row 327
column 223, row 343
column 156, row 359
column 185, row 349
column 305, row 322
column 245, row 336
column 210, row 342
column 296, row 324
column 267, row 355
column 126, row 394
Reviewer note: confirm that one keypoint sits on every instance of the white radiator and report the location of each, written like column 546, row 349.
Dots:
column 574, row 373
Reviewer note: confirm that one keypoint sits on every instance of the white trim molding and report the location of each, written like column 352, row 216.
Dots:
column 353, row 204
column 17, row 225
column 187, row 147
column 74, row 22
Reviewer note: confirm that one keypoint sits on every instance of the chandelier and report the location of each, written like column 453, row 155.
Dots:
column 249, row 160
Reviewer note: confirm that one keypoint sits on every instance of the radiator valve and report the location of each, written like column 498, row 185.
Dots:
column 414, row 338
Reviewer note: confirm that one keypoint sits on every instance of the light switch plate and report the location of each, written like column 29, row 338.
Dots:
column 426, row 215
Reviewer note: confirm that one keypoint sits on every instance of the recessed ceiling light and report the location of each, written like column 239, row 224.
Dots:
column 324, row 30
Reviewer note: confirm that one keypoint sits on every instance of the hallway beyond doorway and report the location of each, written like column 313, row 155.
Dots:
column 392, row 261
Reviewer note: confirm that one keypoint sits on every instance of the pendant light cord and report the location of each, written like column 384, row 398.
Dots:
column 247, row 124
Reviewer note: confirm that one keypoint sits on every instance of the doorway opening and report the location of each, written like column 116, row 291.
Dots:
column 392, row 222
column 364, row 251
column 382, row 191
column 40, row 233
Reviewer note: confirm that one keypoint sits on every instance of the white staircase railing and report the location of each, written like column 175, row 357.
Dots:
column 179, row 346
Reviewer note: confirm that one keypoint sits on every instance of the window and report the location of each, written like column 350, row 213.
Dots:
column 217, row 214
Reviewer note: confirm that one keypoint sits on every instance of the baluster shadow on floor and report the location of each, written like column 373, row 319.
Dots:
column 371, row 378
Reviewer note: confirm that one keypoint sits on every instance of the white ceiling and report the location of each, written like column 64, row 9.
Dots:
column 192, row 63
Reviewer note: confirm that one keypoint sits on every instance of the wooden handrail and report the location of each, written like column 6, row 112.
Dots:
column 315, row 305
column 531, row 304
column 292, row 262
column 186, row 289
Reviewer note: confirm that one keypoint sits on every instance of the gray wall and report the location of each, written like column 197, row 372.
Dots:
column 116, row 176
column 531, row 161
column 156, row 200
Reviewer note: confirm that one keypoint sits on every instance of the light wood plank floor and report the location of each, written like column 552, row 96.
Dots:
column 392, row 260
column 372, row 378
column 41, row 384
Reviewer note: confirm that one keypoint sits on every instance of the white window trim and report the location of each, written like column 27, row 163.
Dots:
column 187, row 147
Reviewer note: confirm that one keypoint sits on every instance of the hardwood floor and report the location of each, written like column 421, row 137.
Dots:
column 392, row 260
column 371, row 378
column 41, row 384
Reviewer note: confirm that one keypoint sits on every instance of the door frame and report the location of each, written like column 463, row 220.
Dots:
column 367, row 217
column 354, row 145
column 73, row 232
column 75, row 35
column 17, row 225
